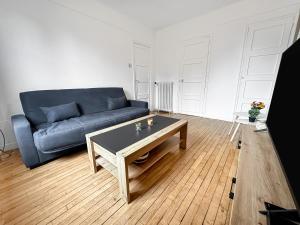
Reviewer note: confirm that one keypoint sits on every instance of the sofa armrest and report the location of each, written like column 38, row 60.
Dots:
column 139, row 104
column 24, row 136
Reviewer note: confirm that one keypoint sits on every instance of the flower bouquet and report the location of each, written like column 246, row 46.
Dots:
column 255, row 110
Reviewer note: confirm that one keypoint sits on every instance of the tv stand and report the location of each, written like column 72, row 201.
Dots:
column 277, row 215
column 260, row 179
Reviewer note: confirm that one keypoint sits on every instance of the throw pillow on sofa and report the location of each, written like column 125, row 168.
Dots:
column 117, row 103
column 60, row 112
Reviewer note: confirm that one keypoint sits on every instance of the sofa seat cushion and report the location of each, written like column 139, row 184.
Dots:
column 98, row 121
column 128, row 113
column 95, row 121
column 59, row 135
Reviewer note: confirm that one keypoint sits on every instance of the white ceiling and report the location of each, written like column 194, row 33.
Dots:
column 161, row 13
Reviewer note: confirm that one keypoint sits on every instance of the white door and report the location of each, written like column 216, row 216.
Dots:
column 141, row 66
column 192, row 77
column 264, row 44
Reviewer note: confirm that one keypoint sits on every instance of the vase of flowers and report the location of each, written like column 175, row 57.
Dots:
column 255, row 110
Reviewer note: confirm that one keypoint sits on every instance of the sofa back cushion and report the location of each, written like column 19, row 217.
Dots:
column 90, row 100
column 61, row 112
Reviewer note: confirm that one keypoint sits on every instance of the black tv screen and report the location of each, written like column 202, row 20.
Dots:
column 284, row 115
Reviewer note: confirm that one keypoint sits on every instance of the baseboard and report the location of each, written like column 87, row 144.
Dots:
column 11, row 146
column 217, row 118
column 212, row 117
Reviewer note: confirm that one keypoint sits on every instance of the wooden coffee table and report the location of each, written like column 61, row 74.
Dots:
column 116, row 147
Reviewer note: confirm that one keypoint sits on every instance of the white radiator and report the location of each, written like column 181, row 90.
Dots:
column 164, row 96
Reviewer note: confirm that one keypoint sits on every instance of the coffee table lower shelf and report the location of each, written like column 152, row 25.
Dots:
column 135, row 170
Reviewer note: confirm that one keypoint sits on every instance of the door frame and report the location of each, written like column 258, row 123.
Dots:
column 134, row 44
column 209, row 37
column 246, row 35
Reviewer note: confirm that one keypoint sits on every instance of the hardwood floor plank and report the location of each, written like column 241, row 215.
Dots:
column 220, row 188
column 177, row 172
column 53, row 203
column 173, row 196
column 20, row 188
column 184, row 187
column 72, row 208
column 210, row 165
column 53, row 191
column 67, row 201
column 186, row 190
column 211, row 191
column 224, row 206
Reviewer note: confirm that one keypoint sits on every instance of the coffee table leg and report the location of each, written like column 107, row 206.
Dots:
column 183, row 137
column 91, row 154
column 123, row 178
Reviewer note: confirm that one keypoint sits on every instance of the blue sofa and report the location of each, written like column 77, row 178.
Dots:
column 40, row 140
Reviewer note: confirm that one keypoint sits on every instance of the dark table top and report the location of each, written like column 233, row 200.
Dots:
column 122, row 137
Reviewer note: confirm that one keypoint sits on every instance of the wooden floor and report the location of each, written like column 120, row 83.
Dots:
column 185, row 187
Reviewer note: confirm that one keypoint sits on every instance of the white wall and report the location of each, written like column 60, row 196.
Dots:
column 47, row 44
column 4, row 125
column 227, row 28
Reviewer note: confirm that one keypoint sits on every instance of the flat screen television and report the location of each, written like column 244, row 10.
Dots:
column 284, row 115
